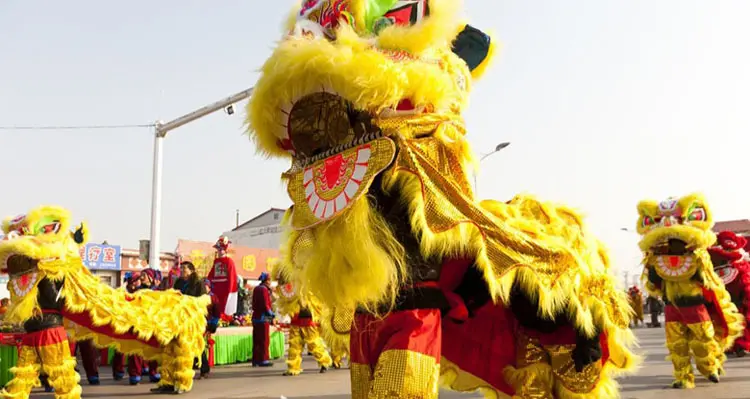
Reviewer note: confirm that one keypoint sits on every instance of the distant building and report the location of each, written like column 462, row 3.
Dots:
column 250, row 262
column 262, row 231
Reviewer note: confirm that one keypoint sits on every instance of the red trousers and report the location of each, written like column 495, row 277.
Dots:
column 398, row 353
column 261, row 341
column 136, row 364
column 89, row 358
column 118, row 363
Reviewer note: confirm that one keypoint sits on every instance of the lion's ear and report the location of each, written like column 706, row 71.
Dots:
column 476, row 48
column 81, row 235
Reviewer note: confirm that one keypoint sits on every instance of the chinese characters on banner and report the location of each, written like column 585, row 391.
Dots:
column 101, row 257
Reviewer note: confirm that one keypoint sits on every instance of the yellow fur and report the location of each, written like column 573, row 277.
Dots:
column 360, row 270
column 168, row 316
column 362, row 73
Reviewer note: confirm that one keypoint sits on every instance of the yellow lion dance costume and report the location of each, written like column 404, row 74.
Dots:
column 303, row 330
column 52, row 290
column 700, row 316
column 365, row 97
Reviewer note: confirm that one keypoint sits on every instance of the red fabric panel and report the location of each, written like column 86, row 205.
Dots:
column 686, row 315
column 84, row 319
column 415, row 330
column 483, row 345
column 50, row 336
column 302, row 322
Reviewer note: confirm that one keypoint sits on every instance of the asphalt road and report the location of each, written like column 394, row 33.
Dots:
column 242, row 381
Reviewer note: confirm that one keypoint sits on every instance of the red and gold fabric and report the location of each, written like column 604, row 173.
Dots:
column 46, row 351
column 397, row 356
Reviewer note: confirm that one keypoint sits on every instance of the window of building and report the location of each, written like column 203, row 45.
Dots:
column 276, row 216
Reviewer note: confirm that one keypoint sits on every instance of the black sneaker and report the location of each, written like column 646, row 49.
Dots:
column 323, row 369
column 740, row 352
column 164, row 389
column 714, row 378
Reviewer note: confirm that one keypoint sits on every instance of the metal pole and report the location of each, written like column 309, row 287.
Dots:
column 160, row 133
column 154, row 247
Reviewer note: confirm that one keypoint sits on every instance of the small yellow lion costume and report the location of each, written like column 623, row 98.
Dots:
column 50, row 286
column 365, row 97
column 700, row 316
column 636, row 303
column 303, row 330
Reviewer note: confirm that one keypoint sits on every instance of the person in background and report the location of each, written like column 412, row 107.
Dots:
column 262, row 317
column 213, row 316
column 189, row 282
column 132, row 283
column 223, row 277
column 247, row 301
column 89, row 358
column 137, row 366
column 4, row 303
column 655, row 308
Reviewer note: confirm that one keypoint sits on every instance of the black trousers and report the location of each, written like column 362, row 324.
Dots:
column 205, row 367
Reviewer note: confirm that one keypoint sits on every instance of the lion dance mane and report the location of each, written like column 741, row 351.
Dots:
column 158, row 325
column 732, row 265
column 365, row 98
column 700, row 316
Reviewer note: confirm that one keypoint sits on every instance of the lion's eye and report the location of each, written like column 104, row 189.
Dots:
column 697, row 215
column 52, row 228
column 648, row 221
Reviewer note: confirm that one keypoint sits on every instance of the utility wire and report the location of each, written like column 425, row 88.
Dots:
column 76, row 127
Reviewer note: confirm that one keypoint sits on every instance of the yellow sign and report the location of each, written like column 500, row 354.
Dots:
column 248, row 263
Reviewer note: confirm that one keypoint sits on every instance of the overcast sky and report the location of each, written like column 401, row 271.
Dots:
column 605, row 103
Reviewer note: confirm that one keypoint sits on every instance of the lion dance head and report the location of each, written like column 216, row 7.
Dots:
column 357, row 94
column 34, row 246
column 676, row 234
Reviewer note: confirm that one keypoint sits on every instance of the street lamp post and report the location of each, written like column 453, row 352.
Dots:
column 497, row 149
column 160, row 132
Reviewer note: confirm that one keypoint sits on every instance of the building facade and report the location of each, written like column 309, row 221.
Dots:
column 250, row 262
column 262, row 231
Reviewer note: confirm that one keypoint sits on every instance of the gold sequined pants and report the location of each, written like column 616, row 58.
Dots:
column 298, row 338
column 548, row 372
column 48, row 351
column 683, row 338
column 396, row 357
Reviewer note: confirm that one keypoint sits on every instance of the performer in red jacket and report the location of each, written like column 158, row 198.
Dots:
column 731, row 263
column 223, row 278
column 262, row 317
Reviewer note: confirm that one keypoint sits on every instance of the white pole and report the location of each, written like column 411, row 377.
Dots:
column 154, row 252
column 160, row 133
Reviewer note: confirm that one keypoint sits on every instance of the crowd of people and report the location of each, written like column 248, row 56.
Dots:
column 257, row 302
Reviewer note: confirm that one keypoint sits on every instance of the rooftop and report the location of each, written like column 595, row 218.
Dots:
column 737, row 226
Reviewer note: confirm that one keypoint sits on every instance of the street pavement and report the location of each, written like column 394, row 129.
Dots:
column 242, row 381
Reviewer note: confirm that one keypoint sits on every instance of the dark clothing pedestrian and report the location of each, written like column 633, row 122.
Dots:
column 262, row 317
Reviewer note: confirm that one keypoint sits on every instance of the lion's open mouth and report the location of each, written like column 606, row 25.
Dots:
column 673, row 257
column 19, row 265
column 322, row 124
column 672, row 247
